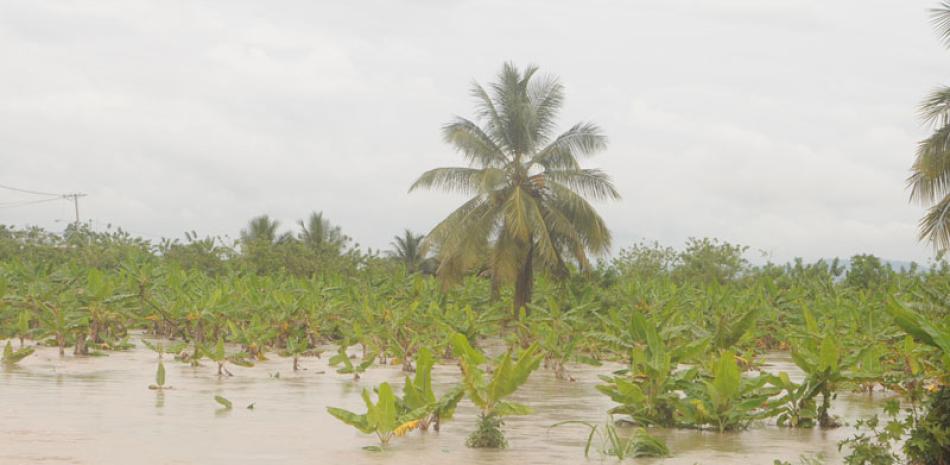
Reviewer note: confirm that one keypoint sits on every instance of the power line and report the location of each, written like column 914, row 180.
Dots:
column 28, row 202
column 73, row 196
column 27, row 191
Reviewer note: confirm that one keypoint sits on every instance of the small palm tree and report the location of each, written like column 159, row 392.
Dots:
column 528, row 207
column 261, row 229
column 408, row 249
column 929, row 181
column 319, row 234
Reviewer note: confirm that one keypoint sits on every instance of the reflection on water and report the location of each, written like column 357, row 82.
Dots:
column 99, row 411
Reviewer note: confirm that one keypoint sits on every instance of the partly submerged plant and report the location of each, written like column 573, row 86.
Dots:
column 161, row 348
column 23, row 328
column 647, row 390
column 929, row 441
column 825, row 366
column 159, row 378
column 418, row 395
column 928, row 332
column 381, row 418
column 612, row 443
column 11, row 356
column 489, row 394
column 223, row 402
column 727, row 401
column 342, row 358
column 296, row 348
column 218, row 355
column 796, row 406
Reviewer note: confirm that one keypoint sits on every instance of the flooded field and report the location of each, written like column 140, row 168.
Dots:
column 99, row 411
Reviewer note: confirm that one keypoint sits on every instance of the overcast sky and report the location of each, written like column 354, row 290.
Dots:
column 785, row 125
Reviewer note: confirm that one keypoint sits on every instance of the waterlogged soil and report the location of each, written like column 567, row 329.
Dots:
column 99, row 411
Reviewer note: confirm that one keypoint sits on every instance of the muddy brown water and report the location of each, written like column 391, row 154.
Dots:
column 99, row 411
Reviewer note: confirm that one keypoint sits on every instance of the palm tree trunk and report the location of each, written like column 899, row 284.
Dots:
column 524, row 284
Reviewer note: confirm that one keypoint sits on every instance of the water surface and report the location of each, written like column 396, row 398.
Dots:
column 99, row 411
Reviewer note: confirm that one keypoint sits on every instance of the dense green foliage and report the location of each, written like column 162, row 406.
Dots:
column 87, row 290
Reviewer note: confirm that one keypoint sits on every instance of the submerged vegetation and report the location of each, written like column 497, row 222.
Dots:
column 502, row 288
column 684, row 344
column 608, row 441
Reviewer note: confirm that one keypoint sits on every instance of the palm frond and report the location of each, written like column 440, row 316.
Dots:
column 547, row 97
column 935, row 225
column 486, row 111
column 940, row 17
column 935, row 109
column 591, row 183
column 460, row 180
column 930, row 173
column 516, row 214
column 545, row 245
column 567, row 236
column 516, row 110
column 590, row 226
column 562, row 152
column 478, row 147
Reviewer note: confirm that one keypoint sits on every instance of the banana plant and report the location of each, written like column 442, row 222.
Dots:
column 101, row 306
column 203, row 302
column 56, row 322
column 796, row 405
column 402, row 331
column 161, row 348
column 933, row 334
column 11, row 356
column 297, row 347
column 489, row 395
column 254, row 336
column 871, row 365
column 342, row 358
column 218, row 355
column 727, row 401
column 559, row 333
column 381, row 418
column 730, row 328
column 472, row 324
column 24, row 326
column 826, row 366
column 909, row 377
column 419, row 396
column 647, row 390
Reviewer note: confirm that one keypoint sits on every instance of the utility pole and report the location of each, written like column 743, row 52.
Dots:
column 75, row 196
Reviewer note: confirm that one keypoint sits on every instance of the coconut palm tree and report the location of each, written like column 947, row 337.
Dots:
column 528, row 205
column 408, row 249
column 319, row 234
column 929, row 181
column 261, row 229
